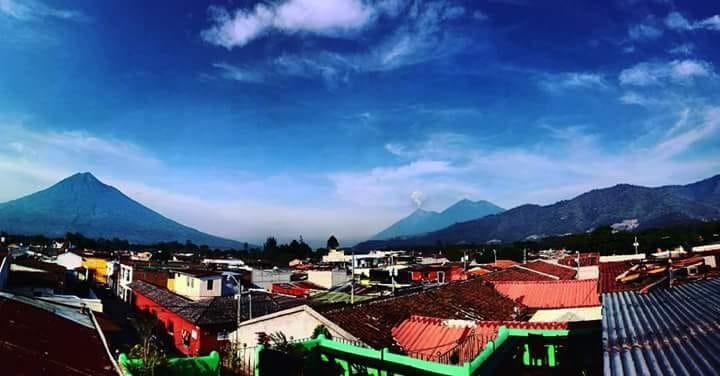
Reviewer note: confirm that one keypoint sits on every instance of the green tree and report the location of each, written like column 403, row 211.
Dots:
column 332, row 242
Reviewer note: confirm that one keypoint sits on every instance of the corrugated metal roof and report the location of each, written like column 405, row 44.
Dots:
column 665, row 332
column 551, row 294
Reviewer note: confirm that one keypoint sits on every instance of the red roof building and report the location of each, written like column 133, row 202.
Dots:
column 197, row 327
column 474, row 299
column 299, row 288
column 39, row 338
column 552, row 294
column 560, row 271
column 454, row 341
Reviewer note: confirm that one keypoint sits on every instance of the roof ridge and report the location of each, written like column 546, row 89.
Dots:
column 536, row 271
column 559, row 281
column 557, row 264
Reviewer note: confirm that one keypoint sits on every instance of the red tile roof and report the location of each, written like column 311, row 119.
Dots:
column 552, row 294
column 474, row 299
column 610, row 270
column 560, row 271
column 34, row 341
column 436, row 339
column 517, row 274
column 586, row 259
column 502, row 264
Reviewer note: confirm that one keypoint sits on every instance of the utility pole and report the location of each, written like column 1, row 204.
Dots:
column 636, row 245
column 495, row 256
column 352, row 278
column 524, row 255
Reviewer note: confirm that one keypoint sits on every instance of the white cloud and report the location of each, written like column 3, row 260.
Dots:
column 291, row 16
column 644, row 32
column 28, row 10
column 682, row 49
column 562, row 81
column 676, row 21
column 657, row 73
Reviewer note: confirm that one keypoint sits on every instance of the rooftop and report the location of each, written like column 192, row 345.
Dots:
column 34, row 340
column 214, row 311
column 560, row 271
column 517, row 274
column 551, row 294
column 433, row 339
column 666, row 331
column 373, row 321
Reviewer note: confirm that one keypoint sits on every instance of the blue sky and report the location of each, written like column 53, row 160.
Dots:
column 309, row 117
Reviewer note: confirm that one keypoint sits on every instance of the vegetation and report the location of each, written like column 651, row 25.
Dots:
column 332, row 242
column 602, row 240
column 150, row 349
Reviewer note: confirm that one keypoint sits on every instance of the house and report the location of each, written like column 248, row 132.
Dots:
column 328, row 279
column 196, row 283
column 295, row 323
column 664, row 332
column 559, row 271
column 138, row 271
column 298, row 288
column 33, row 277
column 97, row 267
column 517, row 273
column 551, row 294
column 435, row 339
column 197, row 327
column 264, row 278
column 40, row 338
column 438, row 273
column 372, row 321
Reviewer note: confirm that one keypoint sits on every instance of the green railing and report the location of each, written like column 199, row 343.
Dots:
column 383, row 362
column 200, row 366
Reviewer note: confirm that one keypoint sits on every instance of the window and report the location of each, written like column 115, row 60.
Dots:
column 210, row 284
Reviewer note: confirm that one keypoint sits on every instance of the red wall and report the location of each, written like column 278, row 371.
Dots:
column 205, row 342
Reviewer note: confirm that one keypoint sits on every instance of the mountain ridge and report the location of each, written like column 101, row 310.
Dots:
column 82, row 203
column 598, row 207
column 422, row 221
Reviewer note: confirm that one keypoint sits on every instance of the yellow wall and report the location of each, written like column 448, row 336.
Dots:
column 171, row 284
column 98, row 267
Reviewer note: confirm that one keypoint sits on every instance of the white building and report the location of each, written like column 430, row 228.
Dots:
column 197, row 284
column 328, row 278
column 265, row 278
column 295, row 323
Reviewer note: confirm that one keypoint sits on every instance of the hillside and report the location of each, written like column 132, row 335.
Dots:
column 422, row 221
column 650, row 206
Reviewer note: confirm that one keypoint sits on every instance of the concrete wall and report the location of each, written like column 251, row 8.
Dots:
column 295, row 323
column 197, row 288
column 327, row 278
column 265, row 278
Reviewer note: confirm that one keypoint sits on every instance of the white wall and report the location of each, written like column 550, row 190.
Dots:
column 197, row 288
column 327, row 278
column 296, row 323
column 265, row 278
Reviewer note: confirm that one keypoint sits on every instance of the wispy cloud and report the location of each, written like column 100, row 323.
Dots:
column 644, row 32
column 682, row 49
column 29, row 10
column 237, row 73
column 676, row 21
column 237, row 28
column 558, row 82
column 422, row 34
column 657, row 73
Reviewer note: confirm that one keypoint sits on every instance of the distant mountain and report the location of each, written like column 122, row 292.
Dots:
column 422, row 221
column 652, row 207
column 81, row 203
